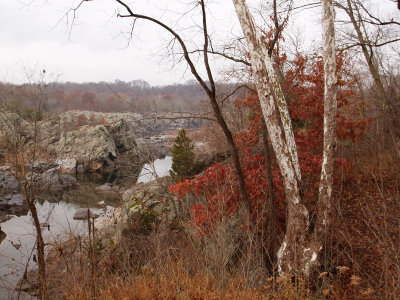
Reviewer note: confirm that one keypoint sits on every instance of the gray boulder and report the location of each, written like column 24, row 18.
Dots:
column 7, row 180
column 12, row 126
column 53, row 180
column 150, row 198
column 12, row 204
column 92, row 146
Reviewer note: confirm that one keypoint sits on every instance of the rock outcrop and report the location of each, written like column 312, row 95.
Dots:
column 93, row 139
column 12, row 204
column 53, row 179
column 12, row 126
column 153, row 198
column 144, row 204
column 91, row 146
column 7, row 180
column 96, row 139
column 68, row 165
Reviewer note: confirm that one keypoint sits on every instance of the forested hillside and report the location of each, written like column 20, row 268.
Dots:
column 135, row 96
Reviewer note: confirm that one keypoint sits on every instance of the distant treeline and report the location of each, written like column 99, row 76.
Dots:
column 119, row 96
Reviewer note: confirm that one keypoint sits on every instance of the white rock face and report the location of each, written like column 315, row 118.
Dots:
column 67, row 166
column 93, row 139
column 90, row 145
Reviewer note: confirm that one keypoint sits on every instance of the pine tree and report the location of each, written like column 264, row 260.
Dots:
column 182, row 157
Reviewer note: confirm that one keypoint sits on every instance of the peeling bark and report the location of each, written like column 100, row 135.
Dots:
column 291, row 253
column 330, row 113
column 299, row 251
column 254, row 41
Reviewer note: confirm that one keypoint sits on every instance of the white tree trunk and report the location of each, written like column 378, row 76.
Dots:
column 330, row 113
column 263, row 58
column 299, row 251
column 293, row 255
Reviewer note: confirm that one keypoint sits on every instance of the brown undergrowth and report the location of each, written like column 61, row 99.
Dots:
column 360, row 261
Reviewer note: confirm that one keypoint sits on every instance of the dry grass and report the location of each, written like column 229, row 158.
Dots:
column 362, row 260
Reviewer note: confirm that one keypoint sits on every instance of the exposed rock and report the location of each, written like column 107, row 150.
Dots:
column 43, row 165
column 80, row 169
column 95, row 139
column 12, row 204
column 53, row 179
column 123, row 135
column 12, row 126
column 67, row 166
column 108, row 188
column 111, row 226
column 92, row 146
column 7, row 180
column 82, row 214
column 16, row 199
column 150, row 197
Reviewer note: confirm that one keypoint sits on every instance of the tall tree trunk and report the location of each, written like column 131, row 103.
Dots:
column 330, row 113
column 299, row 251
column 294, row 255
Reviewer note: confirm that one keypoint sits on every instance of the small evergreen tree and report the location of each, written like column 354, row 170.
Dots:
column 182, row 157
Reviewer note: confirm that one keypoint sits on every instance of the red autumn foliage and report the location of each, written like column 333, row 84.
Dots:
column 304, row 85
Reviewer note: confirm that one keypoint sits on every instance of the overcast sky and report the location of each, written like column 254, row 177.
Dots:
column 38, row 34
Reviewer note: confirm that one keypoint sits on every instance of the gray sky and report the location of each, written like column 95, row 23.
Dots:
column 36, row 34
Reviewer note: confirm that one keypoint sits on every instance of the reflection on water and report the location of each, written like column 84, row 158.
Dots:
column 160, row 167
column 18, row 247
column 57, row 211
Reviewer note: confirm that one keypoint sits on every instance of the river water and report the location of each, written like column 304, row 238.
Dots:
column 17, row 249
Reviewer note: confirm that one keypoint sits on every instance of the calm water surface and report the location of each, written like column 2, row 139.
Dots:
column 18, row 247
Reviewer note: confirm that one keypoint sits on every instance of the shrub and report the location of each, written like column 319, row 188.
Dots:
column 182, row 157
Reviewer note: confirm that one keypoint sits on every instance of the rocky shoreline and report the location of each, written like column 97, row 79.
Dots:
column 78, row 142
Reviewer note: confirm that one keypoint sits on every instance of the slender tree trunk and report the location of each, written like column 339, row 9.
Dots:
column 40, row 245
column 388, row 108
column 372, row 66
column 330, row 113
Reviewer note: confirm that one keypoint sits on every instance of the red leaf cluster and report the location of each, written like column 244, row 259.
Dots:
column 217, row 188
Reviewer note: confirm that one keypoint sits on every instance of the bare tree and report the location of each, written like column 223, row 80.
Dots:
column 207, row 84
column 22, row 153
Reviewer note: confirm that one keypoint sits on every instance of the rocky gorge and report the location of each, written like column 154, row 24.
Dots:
column 80, row 152
column 78, row 142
